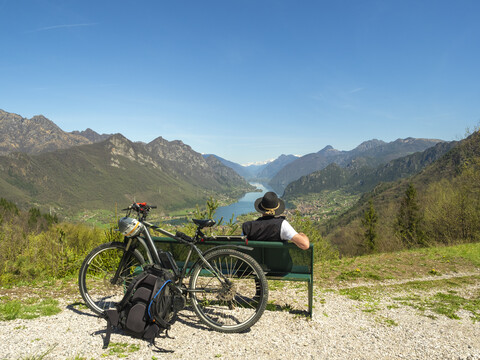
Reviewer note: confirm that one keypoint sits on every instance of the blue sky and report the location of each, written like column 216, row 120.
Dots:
column 246, row 80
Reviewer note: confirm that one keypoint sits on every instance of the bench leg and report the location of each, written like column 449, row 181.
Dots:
column 310, row 298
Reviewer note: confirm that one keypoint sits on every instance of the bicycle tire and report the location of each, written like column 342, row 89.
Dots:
column 97, row 270
column 224, row 308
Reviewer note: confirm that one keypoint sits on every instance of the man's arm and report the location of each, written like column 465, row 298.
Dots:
column 287, row 232
column 301, row 240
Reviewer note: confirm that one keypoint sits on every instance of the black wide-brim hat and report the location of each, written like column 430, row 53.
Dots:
column 270, row 204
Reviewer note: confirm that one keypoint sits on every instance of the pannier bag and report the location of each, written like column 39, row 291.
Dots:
column 168, row 262
column 149, row 306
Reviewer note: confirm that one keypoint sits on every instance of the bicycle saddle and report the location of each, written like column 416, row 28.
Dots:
column 204, row 222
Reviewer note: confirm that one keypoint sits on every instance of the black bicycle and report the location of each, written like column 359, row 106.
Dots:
column 228, row 289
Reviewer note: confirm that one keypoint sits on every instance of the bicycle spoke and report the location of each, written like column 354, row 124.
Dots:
column 233, row 305
column 98, row 270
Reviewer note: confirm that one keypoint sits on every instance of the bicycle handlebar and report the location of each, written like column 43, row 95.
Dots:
column 140, row 207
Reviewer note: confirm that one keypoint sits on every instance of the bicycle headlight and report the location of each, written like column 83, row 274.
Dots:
column 129, row 227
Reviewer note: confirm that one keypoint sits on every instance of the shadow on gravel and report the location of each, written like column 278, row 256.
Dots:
column 155, row 348
column 283, row 308
column 74, row 307
column 189, row 318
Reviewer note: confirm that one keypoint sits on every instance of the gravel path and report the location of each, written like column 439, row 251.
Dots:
column 339, row 330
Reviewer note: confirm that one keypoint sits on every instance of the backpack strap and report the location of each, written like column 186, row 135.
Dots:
column 162, row 322
column 131, row 288
column 151, row 333
column 112, row 316
column 112, row 321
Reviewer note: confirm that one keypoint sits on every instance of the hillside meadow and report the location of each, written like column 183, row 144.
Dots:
column 434, row 281
column 41, row 256
column 35, row 246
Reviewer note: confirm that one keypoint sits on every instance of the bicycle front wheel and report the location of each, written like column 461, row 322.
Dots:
column 95, row 279
column 235, row 300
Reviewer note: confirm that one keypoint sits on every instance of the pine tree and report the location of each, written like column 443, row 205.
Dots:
column 369, row 222
column 408, row 225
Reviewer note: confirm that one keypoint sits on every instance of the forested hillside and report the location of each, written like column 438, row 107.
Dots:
column 441, row 204
column 97, row 176
column 358, row 177
column 69, row 173
column 370, row 153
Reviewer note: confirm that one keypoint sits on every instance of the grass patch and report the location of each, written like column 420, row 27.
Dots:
column 408, row 264
column 448, row 304
column 455, row 254
column 431, row 298
column 358, row 274
column 385, row 321
column 62, row 288
column 271, row 306
column 433, row 285
column 29, row 308
column 41, row 356
column 121, row 349
column 276, row 285
column 359, row 293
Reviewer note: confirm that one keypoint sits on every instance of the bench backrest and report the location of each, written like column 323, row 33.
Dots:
column 276, row 257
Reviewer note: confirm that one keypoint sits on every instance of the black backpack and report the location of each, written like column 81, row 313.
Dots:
column 149, row 306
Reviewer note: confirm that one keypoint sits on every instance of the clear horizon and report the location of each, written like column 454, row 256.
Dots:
column 245, row 80
column 260, row 162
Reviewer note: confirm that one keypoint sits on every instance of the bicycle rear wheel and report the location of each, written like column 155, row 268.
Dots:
column 97, row 271
column 231, row 305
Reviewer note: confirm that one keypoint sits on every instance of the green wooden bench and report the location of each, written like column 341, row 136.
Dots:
column 279, row 260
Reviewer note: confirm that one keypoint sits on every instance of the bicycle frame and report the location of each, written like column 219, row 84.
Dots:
column 227, row 288
column 147, row 242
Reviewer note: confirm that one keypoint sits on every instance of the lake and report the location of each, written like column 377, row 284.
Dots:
column 243, row 206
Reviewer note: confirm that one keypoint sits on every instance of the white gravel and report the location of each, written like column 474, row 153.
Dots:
column 339, row 329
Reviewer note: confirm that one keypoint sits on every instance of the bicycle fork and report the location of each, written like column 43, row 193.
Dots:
column 123, row 261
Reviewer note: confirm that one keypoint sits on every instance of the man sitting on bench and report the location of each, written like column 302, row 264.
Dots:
column 271, row 226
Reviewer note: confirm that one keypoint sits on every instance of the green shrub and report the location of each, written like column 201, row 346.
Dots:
column 29, row 252
column 323, row 250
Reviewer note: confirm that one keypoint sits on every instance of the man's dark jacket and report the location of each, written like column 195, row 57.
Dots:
column 266, row 228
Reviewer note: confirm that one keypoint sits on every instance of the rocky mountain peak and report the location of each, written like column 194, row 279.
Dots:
column 40, row 120
column 372, row 153
column 91, row 135
column 368, row 145
column 176, row 151
column 33, row 136
column 120, row 145
column 326, row 148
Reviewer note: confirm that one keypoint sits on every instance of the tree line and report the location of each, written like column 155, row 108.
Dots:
column 446, row 212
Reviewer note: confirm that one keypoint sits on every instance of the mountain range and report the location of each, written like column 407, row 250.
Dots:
column 39, row 134
column 42, row 164
column 258, row 172
column 49, row 168
column 447, row 187
column 370, row 153
column 358, row 177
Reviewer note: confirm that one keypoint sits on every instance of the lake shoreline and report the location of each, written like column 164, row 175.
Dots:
column 242, row 206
